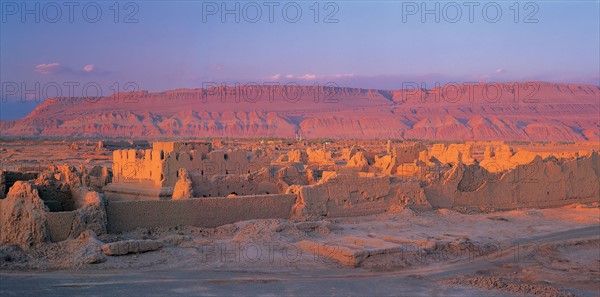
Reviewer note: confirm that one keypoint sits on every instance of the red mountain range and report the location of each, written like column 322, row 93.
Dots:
column 501, row 111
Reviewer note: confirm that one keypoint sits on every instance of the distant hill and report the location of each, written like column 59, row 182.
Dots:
column 505, row 111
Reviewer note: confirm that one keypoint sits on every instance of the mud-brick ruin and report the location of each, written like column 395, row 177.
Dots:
column 209, row 184
column 152, row 174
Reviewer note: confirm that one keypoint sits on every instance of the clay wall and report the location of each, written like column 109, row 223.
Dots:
column 158, row 167
column 201, row 212
column 539, row 184
column 355, row 195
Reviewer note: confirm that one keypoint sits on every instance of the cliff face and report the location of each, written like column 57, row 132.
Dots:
column 505, row 111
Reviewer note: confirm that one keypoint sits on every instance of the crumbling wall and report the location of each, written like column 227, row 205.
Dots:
column 89, row 216
column 348, row 153
column 415, row 169
column 131, row 166
column 401, row 159
column 407, row 153
column 499, row 158
column 452, row 153
column 290, row 174
column 201, row 212
column 358, row 161
column 274, row 180
column 25, row 220
column 541, row 183
column 55, row 193
column 23, row 217
column 159, row 167
column 98, row 177
column 354, row 195
column 90, row 213
column 8, row 179
column 59, row 225
column 56, row 185
column 386, row 164
column 503, row 157
column 294, row 155
column 319, row 156
column 183, row 187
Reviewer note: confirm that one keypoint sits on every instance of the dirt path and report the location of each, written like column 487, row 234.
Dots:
column 421, row 281
column 519, row 251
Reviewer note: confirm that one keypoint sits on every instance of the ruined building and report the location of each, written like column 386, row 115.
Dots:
column 151, row 174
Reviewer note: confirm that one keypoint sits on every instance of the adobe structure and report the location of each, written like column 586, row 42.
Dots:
column 211, row 184
column 411, row 172
column 152, row 174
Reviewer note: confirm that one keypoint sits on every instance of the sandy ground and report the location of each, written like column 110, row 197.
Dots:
column 36, row 155
column 549, row 252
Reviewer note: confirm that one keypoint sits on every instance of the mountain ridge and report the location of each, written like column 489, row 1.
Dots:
column 534, row 111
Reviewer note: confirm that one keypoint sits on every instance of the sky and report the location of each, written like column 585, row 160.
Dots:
column 50, row 48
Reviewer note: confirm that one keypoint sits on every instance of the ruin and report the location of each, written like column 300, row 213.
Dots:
column 204, row 184
column 341, row 181
column 300, row 148
column 152, row 174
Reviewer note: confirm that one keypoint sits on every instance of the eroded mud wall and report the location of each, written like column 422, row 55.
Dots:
column 201, row 212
